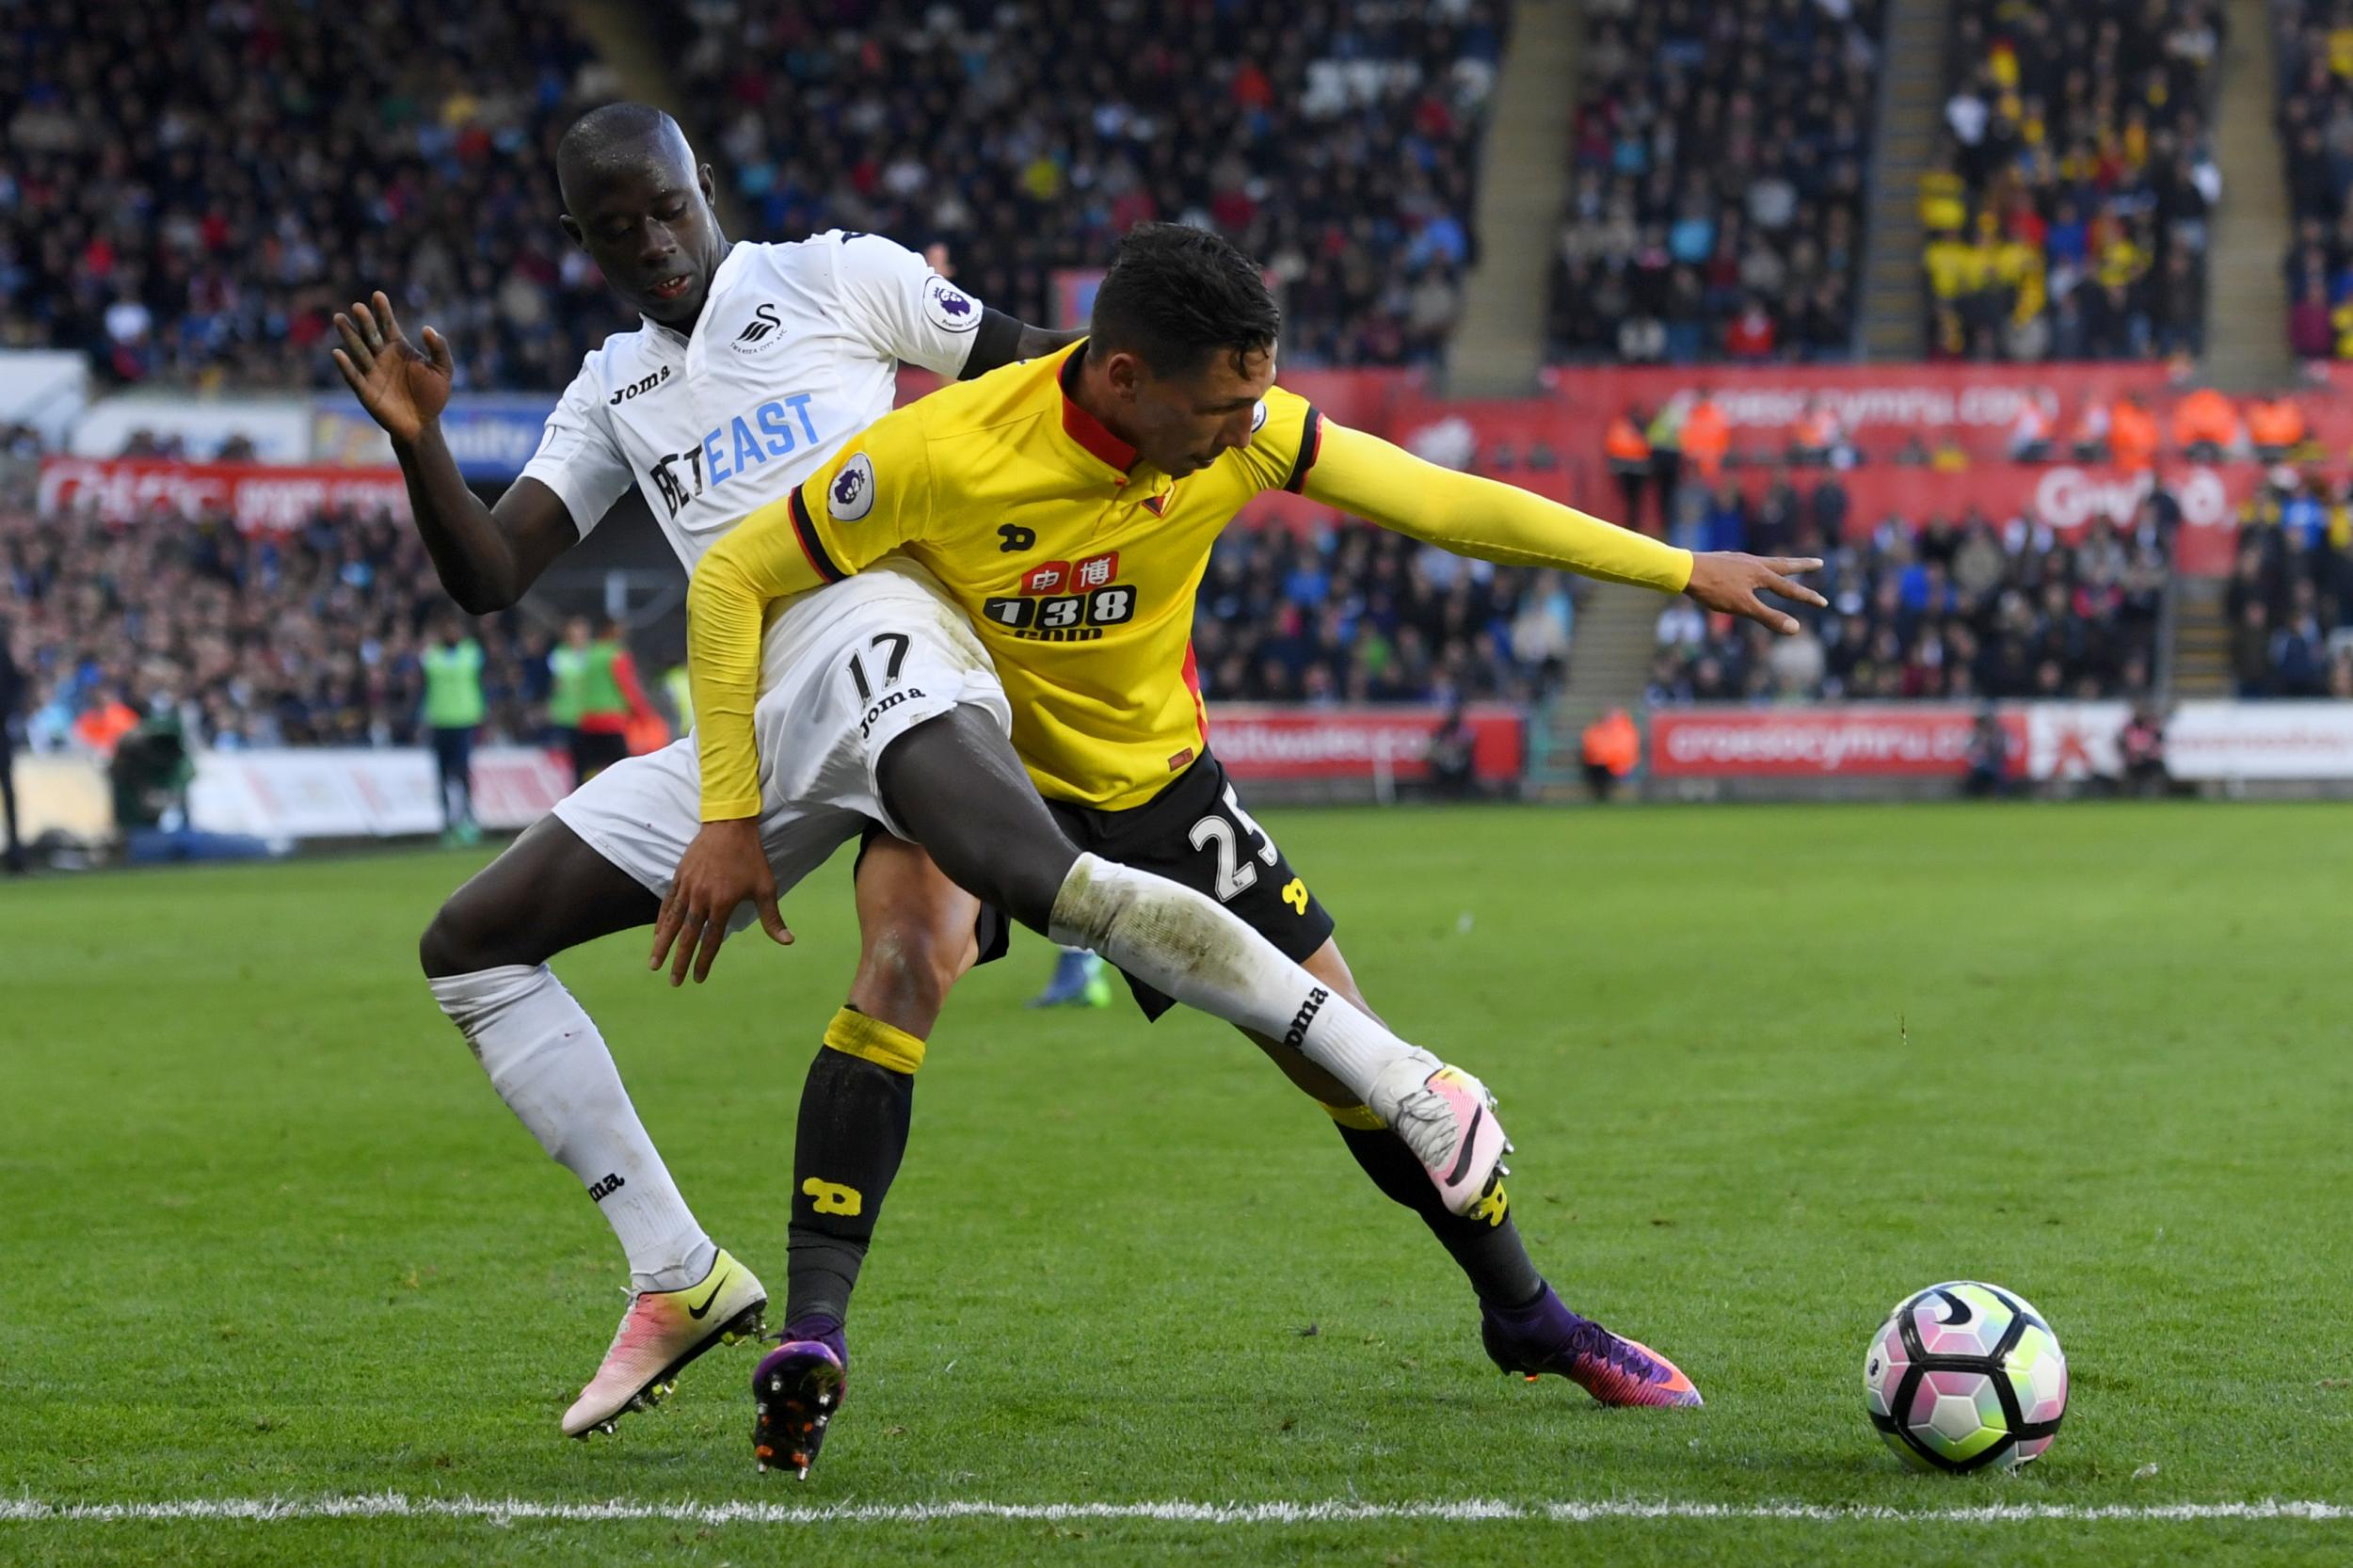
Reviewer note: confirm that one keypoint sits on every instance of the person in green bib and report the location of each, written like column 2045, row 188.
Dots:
column 593, row 694
column 453, row 711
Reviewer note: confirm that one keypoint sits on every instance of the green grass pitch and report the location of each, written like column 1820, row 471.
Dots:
column 267, row 1233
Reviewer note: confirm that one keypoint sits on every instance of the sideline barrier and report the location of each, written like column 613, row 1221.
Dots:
column 338, row 793
column 2218, row 741
column 261, row 497
column 1270, row 741
column 1860, row 750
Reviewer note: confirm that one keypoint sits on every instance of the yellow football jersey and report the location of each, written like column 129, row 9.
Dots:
column 1079, row 563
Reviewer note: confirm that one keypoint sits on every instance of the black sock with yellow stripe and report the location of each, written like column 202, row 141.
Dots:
column 1485, row 1244
column 855, row 1108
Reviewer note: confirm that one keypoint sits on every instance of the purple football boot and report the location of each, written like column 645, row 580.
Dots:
column 1545, row 1336
column 796, row 1391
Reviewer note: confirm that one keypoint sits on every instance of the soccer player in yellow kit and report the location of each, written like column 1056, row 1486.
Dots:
column 1068, row 507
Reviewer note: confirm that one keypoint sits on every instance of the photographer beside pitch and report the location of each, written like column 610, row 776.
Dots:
column 1067, row 505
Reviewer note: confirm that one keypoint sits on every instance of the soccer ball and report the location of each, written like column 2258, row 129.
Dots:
column 1965, row 1375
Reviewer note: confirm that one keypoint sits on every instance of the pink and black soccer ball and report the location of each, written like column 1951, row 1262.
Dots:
column 1964, row 1375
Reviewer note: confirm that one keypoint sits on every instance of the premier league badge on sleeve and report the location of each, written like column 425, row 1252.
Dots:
column 948, row 307
column 850, row 495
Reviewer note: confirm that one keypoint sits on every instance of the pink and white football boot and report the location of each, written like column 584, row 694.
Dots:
column 1447, row 1119
column 662, row 1332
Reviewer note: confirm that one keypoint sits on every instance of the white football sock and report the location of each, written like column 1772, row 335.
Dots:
column 1188, row 945
column 551, row 1067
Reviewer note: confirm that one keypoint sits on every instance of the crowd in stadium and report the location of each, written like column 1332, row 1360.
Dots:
column 316, row 637
column 2315, row 69
column 1651, row 451
column 2067, row 218
column 1336, row 142
column 191, row 188
column 311, row 638
column 2290, row 599
column 1352, row 613
column 1715, row 209
column 1953, row 610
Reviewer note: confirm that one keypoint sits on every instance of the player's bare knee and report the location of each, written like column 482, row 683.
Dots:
column 478, row 927
column 908, row 970
column 452, row 942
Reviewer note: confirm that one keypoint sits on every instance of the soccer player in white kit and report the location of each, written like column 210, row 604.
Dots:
column 756, row 362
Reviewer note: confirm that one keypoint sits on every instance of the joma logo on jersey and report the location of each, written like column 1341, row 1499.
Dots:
column 605, row 1186
column 776, row 428
column 884, row 704
column 754, row 336
column 639, row 387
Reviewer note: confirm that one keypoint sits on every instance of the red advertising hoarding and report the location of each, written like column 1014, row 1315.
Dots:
column 1864, row 741
column 260, row 497
column 1880, row 404
column 1256, row 740
column 2068, row 497
column 1549, row 442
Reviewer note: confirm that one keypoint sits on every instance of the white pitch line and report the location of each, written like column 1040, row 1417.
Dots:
column 394, row 1505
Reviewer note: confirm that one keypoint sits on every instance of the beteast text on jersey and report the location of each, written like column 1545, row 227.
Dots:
column 745, row 448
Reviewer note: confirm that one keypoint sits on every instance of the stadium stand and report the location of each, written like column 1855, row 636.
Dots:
column 1352, row 612
column 2289, row 602
column 2314, row 58
column 1338, row 145
column 2068, row 221
column 1956, row 610
column 308, row 639
column 313, row 638
column 1715, row 210
column 191, row 188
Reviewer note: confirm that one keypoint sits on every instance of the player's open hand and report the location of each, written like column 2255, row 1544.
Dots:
column 1729, row 581
column 403, row 388
column 723, row 867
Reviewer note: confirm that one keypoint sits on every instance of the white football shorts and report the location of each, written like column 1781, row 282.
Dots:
column 844, row 671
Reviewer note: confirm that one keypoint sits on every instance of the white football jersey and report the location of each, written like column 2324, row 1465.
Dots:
column 796, row 350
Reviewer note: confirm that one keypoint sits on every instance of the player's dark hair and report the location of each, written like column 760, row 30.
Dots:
column 1175, row 295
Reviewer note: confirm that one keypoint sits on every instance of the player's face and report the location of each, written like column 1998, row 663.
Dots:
column 1181, row 423
column 648, row 226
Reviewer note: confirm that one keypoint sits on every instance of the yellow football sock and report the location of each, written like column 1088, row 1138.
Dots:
column 854, row 1033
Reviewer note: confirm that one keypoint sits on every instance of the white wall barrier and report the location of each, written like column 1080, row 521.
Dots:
column 2212, row 741
column 360, row 792
column 2205, row 742
column 334, row 793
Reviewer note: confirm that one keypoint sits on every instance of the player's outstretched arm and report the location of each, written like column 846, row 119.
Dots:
column 485, row 556
column 1462, row 512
